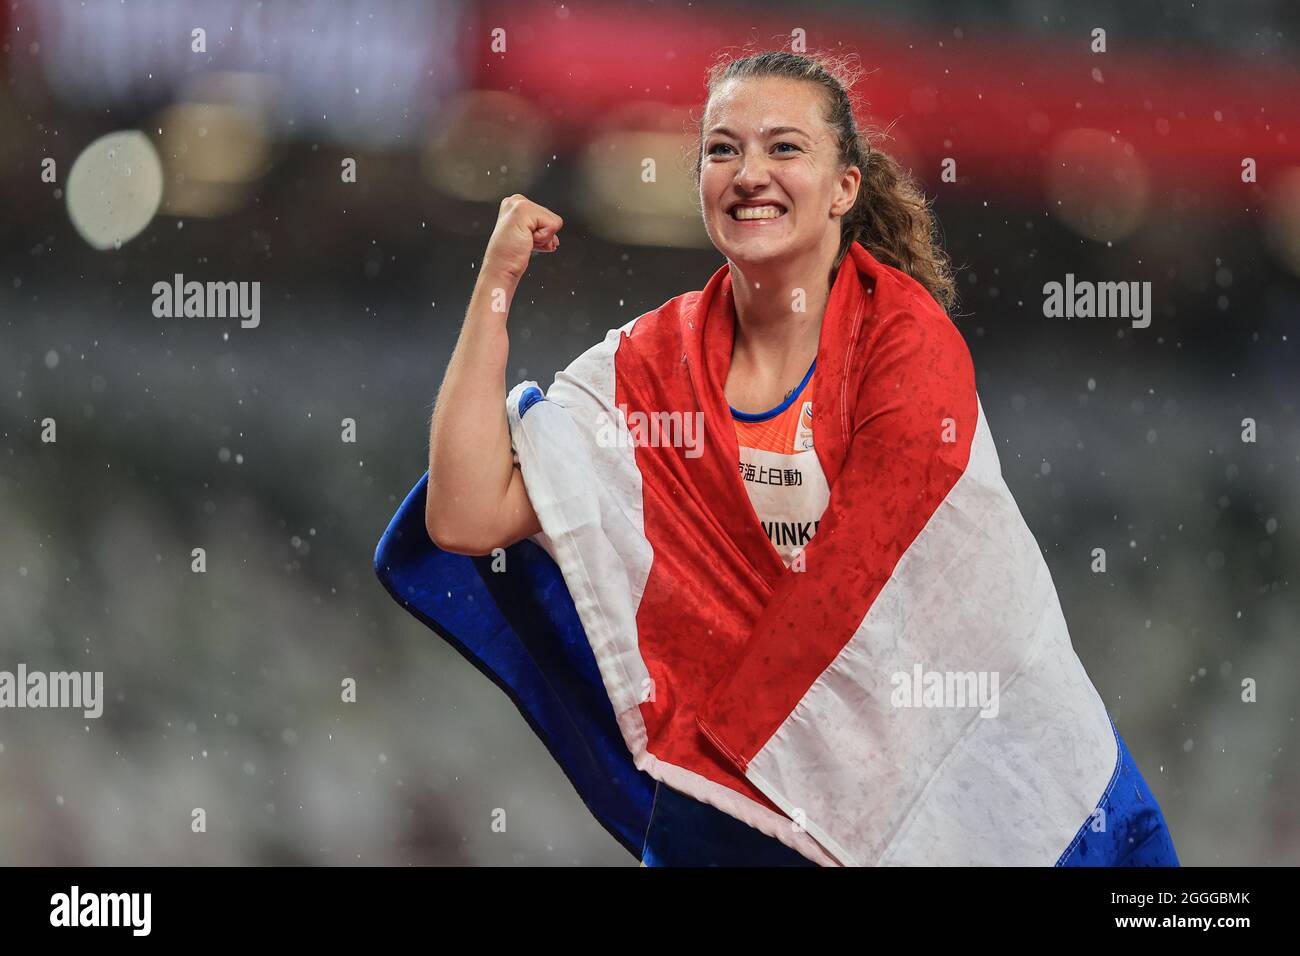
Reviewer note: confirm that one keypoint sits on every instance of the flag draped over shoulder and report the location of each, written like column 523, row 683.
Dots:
column 905, row 693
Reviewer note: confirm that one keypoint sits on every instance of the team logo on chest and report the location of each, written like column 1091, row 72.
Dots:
column 803, row 437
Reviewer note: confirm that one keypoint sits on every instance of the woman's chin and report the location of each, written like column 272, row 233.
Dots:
column 759, row 249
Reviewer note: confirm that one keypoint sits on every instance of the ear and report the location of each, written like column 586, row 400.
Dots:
column 849, row 184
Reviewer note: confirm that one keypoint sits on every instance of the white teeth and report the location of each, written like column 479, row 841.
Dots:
column 757, row 212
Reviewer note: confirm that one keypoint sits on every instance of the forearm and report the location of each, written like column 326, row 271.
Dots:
column 470, row 462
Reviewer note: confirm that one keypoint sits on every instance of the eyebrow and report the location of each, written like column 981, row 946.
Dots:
column 773, row 131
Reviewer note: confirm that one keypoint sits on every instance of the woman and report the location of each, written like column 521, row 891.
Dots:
column 879, row 539
column 816, row 175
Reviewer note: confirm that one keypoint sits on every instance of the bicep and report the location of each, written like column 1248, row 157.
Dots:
column 512, row 520
column 518, row 518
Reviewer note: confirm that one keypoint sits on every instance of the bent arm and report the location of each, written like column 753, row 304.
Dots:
column 476, row 500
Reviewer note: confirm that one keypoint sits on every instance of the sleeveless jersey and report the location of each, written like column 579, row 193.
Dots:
column 780, row 471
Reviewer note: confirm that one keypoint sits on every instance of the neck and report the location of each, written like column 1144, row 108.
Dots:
column 779, row 312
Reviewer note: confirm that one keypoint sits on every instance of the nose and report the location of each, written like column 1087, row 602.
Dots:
column 753, row 174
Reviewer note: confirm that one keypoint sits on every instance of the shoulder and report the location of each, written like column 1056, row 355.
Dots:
column 649, row 334
column 662, row 328
column 910, row 329
column 664, row 324
column 916, row 371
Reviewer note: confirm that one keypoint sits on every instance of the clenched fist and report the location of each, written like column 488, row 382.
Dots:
column 523, row 227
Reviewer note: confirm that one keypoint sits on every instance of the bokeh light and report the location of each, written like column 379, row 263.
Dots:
column 1282, row 219
column 114, row 189
column 1096, row 184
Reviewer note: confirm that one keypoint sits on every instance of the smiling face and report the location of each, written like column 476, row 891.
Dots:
column 771, row 184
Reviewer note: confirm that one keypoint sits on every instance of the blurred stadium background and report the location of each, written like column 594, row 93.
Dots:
column 223, row 688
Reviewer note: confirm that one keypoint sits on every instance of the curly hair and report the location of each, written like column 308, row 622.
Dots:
column 890, row 217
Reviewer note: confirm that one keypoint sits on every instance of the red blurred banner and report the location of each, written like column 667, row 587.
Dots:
column 996, row 104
